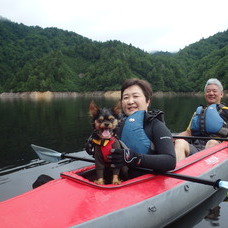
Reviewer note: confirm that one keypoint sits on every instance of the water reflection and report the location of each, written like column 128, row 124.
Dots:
column 61, row 124
column 178, row 110
column 64, row 124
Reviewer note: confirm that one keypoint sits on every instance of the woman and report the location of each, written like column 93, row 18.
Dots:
column 149, row 141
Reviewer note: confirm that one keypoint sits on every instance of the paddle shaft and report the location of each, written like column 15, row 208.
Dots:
column 199, row 137
column 182, row 177
column 168, row 174
column 77, row 158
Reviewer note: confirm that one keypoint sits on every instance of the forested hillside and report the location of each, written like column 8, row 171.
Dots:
column 37, row 59
column 206, row 59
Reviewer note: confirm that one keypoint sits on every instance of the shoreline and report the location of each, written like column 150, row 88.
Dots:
column 47, row 95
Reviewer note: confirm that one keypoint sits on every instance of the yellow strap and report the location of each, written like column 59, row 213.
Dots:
column 100, row 142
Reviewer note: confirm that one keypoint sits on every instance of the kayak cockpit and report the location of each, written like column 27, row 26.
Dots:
column 205, row 158
column 87, row 175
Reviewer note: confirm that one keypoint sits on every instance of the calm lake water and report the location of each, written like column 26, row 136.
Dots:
column 63, row 124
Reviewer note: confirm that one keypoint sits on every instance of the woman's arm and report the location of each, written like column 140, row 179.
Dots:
column 164, row 158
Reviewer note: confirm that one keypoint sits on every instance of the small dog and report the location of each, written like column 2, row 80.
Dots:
column 103, row 138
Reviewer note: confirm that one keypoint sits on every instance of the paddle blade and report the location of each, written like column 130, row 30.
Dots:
column 223, row 184
column 47, row 154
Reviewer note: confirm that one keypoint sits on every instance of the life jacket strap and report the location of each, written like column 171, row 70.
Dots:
column 101, row 142
column 202, row 121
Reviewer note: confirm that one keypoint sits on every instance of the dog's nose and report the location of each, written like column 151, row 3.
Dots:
column 106, row 124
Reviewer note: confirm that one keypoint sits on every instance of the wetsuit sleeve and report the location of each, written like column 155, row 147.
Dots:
column 164, row 158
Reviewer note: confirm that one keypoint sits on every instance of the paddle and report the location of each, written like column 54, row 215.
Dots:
column 54, row 156
column 199, row 137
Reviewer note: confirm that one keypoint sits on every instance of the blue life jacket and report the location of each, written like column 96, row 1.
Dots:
column 133, row 134
column 206, row 121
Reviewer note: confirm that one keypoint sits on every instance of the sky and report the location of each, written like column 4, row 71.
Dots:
column 151, row 25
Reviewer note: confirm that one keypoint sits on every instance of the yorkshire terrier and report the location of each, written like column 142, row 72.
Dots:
column 104, row 121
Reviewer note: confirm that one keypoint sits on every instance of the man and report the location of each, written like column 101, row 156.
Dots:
column 206, row 121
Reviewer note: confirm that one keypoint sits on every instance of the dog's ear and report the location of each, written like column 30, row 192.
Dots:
column 93, row 108
column 117, row 110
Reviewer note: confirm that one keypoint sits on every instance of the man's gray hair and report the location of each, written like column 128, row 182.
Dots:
column 214, row 81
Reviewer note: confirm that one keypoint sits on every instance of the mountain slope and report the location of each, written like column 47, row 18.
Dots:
column 36, row 59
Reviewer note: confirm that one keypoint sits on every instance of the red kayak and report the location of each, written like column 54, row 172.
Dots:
column 144, row 201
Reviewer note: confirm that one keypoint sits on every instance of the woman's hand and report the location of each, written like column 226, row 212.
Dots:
column 122, row 157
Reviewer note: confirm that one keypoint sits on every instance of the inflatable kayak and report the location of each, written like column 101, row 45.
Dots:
column 146, row 200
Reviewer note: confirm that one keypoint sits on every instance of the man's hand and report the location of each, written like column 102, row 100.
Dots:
column 122, row 157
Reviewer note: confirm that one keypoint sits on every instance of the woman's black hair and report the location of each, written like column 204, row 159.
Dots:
column 143, row 84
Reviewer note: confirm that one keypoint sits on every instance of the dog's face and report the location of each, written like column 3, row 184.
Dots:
column 105, row 120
